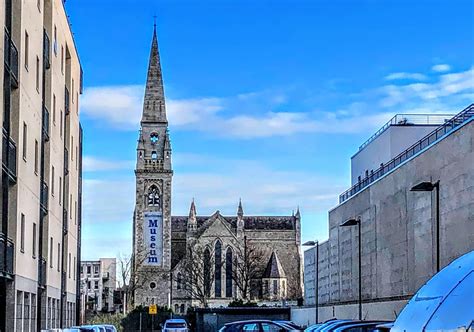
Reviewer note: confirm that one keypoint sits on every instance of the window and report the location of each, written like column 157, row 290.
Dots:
column 55, row 42
column 75, row 213
column 37, row 74
column 96, row 269
column 52, row 180
column 251, row 327
column 62, row 59
column 88, row 269
column 275, row 287
column 19, row 310
column 60, row 190
column 74, row 274
column 59, row 256
column 153, row 196
column 72, row 91
column 154, row 155
column 69, row 266
column 96, row 284
column 178, row 281
column 72, row 148
column 54, row 109
column 217, row 269
column 182, row 308
column 269, row 327
column 36, row 157
column 154, row 138
column 88, row 285
column 26, row 312
column 25, row 140
column 34, row 241
column 51, row 252
column 207, row 272
column 22, row 233
column 27, row 49
column 228, row 273
column 61, row 125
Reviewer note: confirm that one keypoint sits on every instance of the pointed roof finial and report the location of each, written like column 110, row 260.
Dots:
column 240, row 210
column 192, row 209
column 154, row 24
column 297, row 212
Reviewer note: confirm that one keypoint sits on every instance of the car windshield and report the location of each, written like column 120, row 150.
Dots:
column 175, row 325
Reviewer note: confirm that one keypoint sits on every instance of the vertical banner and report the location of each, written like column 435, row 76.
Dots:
column 153, row 236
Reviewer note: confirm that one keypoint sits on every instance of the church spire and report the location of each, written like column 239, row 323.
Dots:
column 154, row 103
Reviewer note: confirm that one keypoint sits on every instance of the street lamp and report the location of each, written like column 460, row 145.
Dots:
column 316, row 278
column 356, row 222
column 429, row 187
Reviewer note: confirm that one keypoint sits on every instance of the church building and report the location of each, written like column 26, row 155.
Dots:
column 183, row 261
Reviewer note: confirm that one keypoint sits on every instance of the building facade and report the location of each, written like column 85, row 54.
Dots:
column 163, row 244
column 415, row 215
column 41, row 167
column 98, row 284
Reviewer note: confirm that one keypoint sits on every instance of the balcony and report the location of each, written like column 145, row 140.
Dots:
column 66, row 161
column 6, row 262
column 46, row 50
column 42, row 272
column 9, row 157
column 65, row 222
column 67, row 101
column 45, row 124
column 44, row 197
column 11, row 59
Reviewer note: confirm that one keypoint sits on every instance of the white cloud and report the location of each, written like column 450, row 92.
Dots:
column 93, row 164
column 441, row 68
column 405, row 76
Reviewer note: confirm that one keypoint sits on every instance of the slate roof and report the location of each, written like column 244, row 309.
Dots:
column 179, row 223
column 274, row 269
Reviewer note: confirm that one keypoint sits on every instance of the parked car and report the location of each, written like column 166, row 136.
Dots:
column 175, row 325
column 327, row 324
column 290, row 324
column 360, row 326
column 259, row 325
column 94, row 328
column 109, row 328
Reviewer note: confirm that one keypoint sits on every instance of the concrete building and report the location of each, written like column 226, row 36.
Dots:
column 98, row 283
column 164, row 244
column 393, row 138
column 401, row 242
column 41, row 167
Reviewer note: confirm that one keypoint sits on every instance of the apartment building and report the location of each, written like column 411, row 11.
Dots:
column 41, row 167
column 98, row 284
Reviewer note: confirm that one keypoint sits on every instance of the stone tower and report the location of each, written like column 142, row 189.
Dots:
column 152, row 217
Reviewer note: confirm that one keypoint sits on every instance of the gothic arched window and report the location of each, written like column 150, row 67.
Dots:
column 207, row 272
column 217, row 269
column 153, row 196
column 228, row 273
column 178, row 281
column 154, row 138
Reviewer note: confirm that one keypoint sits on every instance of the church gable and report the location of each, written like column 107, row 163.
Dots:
column 215, row 226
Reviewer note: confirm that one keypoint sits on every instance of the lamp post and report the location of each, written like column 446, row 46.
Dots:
column 429, row 187
column 316, row 278
column 356, row 222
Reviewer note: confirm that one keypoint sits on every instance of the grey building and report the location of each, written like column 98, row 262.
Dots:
column 402, row 241
column 98, row 283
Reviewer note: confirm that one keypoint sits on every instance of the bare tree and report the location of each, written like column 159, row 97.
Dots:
column 196, row 274
column 247, row 269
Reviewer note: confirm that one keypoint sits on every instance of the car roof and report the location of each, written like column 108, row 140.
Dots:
column 250, row 321
column 176, row 320
column 355, row 324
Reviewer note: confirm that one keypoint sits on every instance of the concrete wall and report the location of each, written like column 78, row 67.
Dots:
column 390, row 143
column 398, row 231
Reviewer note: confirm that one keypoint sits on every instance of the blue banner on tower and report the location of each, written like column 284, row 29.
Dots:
column 153, row 237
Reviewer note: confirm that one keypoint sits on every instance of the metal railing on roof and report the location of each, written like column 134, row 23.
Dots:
column 443, row 129
column 409, row 120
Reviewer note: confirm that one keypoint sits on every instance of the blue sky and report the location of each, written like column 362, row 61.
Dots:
column 267, row 101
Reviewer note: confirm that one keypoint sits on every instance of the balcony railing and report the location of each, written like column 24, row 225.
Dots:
column 46, row 50
column 442, row 130
column 65, row 222
column 42, row 272
column 9, row 157
column 66, row 161
column 6, row 262
column 11, row 58
column 66, row 101
column 46, row 123
column 44, row 197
